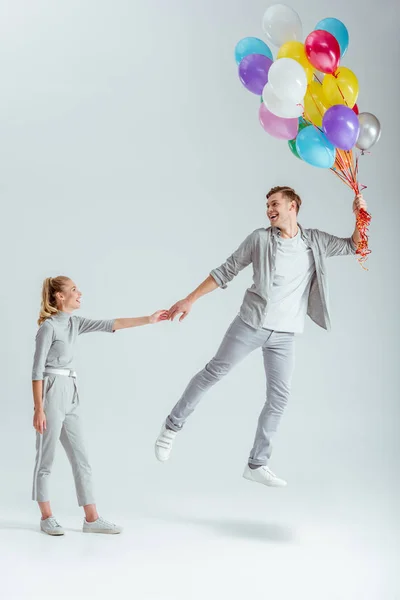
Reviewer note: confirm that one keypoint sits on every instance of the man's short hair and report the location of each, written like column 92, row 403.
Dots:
column 288, row 192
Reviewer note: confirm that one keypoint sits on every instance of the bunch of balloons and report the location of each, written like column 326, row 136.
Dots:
column 308, row 98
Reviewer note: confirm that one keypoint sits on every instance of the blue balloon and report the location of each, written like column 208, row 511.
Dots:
column 314, row 148
column 338, row 30
column 251, row 45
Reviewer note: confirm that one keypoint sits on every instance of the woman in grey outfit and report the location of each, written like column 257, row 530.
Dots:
column 56, row 397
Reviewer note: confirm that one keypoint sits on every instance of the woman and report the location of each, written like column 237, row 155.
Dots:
column 56, row 397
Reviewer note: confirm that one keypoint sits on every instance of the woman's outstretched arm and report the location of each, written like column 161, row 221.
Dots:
column 157, row 317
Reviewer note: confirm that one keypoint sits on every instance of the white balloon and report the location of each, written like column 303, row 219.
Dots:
column 281, row 108
column 288, row 79
column 282, row 24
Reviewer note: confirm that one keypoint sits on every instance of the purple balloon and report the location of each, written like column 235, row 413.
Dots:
column 341, row 126
column 253, row 72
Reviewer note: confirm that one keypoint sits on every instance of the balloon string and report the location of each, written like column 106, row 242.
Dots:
column 342, row 161
column 348, row 173
column 307, row 118
column 346, row 169
column 341, row 93
column 316, row 106
column 363, row 222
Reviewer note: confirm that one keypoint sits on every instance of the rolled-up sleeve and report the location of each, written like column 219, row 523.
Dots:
column 336, row 246
column 240, row 259
column 44, row 339
column 91, row 326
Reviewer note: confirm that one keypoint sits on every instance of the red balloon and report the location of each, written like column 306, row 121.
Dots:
column 323, row 51
column 355, row 108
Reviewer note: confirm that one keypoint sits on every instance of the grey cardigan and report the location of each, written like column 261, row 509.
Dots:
column 259, row 248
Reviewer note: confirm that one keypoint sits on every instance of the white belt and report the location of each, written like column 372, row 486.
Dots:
column 65, row 372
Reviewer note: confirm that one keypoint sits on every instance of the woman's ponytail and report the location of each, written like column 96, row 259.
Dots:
column 51, row 286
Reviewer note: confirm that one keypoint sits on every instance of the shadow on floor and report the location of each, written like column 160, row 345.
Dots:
column 34, row 527
column 238, row 528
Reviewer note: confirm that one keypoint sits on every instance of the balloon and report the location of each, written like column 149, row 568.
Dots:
column 288, row 80
column 303, row 122
column 292, row 143
column 323, row 51
column 370, row 131
column 296, row 51
column 355, row 108
column 253, row 72
column 341, row 126
column 341, row 88
column 315, row 103
column 283, row 129
column 293, row 149
column 314, row 148
column 251, row 45
column 338, row 30
column 282, row 24
column 279, row 107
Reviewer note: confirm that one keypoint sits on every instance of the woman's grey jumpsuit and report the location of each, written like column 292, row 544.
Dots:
column 53, row 363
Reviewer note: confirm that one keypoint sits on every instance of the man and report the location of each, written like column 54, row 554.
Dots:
column 289, row 281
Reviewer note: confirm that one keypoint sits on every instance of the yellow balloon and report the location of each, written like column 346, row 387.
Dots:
column 341, row 87
column 296, row 51
column 315, row 103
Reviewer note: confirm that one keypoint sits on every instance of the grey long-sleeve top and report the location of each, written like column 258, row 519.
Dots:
column 56, row 338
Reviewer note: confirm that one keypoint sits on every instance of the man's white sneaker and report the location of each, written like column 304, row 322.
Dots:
column 51, row 526
column 263, row 475
column 100, row 526
column 164, row 443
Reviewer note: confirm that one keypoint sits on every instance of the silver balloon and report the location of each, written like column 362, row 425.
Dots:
column 370, row 131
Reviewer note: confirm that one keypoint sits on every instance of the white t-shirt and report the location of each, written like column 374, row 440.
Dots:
column 294, row 269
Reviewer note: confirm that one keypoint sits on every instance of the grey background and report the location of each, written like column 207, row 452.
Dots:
column 132, row 160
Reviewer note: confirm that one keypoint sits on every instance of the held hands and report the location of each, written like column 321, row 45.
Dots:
column 39, row 420
column 183, row 307
column 359, row 203
column 157, row 317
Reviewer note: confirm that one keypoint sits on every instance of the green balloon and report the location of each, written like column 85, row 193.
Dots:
column 292, row 146
column 292, row 143
column 303, row 124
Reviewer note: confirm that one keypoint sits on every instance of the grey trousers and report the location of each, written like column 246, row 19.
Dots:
column 239, row 341
column 61, row 404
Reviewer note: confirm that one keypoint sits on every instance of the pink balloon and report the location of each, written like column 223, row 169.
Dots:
column 283, row 129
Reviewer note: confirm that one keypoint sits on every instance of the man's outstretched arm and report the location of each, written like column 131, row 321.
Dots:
column 183, row 307
column 219, row 277
column 331, row 245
